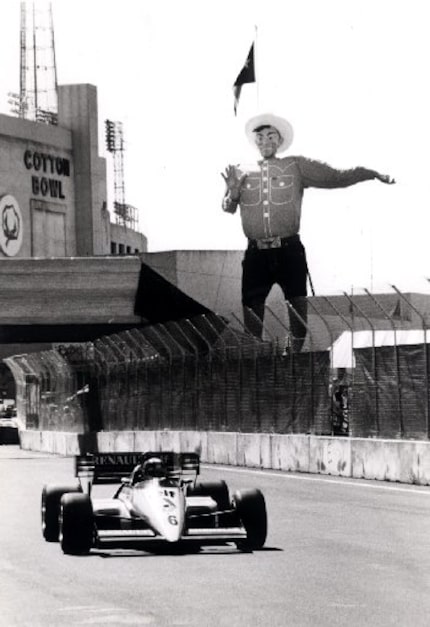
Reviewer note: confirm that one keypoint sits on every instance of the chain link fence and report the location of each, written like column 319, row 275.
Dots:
column 208, row 373
column 205, row 373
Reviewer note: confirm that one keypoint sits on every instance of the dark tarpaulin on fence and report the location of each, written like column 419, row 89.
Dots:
column 242, row 388
column 390, row 396
column 230, row 389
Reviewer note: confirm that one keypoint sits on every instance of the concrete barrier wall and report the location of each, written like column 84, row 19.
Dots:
column 406, row 461
column 8, row 434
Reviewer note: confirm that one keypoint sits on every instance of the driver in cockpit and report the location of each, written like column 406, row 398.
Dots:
column 150, row 469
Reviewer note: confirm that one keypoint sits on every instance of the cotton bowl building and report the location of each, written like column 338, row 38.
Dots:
column 53, row 189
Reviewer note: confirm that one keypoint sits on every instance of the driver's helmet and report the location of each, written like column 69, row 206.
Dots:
column 153, row 467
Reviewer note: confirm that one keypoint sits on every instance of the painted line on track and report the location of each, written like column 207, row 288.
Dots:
column 348, row 481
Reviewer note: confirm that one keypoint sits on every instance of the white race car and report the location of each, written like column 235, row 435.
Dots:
column 160, row 501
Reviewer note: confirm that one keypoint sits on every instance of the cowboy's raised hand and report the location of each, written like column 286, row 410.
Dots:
column 233, row 180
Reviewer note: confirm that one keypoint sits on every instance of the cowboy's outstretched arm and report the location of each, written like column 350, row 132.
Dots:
column 318, row 174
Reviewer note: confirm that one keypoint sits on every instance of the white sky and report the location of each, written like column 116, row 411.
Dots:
column 352, row 76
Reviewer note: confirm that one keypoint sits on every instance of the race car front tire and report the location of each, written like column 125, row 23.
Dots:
column 250, row 507
column 76, row 524
column 51, row 497
column 217, row 490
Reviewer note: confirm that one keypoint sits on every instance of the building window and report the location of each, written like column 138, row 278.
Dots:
column 113, row 248
column 121, row 249
column 136, row 250
column 128, row 250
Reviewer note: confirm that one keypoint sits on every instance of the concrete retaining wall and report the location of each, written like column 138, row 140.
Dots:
column 405, row 461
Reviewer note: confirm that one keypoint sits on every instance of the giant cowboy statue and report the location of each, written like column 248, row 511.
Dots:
column 270, row 201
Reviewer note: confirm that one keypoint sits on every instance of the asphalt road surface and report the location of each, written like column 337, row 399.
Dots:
column 339, row 552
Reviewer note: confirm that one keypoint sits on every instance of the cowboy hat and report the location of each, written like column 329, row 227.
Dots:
column 283, row 127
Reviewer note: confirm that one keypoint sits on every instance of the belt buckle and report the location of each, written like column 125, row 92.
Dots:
column 269, row 242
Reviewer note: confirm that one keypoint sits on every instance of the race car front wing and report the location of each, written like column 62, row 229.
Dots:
column 203, row 535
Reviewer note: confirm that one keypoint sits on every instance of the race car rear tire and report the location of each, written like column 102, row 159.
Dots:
column 217, row 490
column 51, row 497
column 76, row 524
column 251, row 509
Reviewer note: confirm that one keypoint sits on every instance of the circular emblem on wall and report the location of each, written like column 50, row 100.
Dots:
column 10, row 225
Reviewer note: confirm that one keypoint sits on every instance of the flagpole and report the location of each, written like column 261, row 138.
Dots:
column 256, row 71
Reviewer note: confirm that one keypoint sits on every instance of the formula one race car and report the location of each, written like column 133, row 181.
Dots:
column 159, row 502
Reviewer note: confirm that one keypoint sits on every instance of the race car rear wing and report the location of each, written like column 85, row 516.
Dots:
column 112, row 467
column 105, row 467
column 176, row 463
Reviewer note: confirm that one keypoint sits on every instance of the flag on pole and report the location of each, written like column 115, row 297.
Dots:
column 246, row 75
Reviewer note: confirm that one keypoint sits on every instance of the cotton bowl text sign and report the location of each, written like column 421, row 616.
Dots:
column 49, row 166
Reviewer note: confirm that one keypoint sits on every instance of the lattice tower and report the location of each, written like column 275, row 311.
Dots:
column 124, row 213
column 38, row 98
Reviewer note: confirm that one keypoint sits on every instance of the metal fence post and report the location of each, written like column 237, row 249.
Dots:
column 396, row 359
column 311, row 360
column 240, row 370
column 158, row 335
column 121, row 379
column 195, row 351
column 198, row 373
column 331, row 338
column 97, row 372
column 351, row 330
column 325, row 323
column 292, row 359
column 257, row 342
column 224, row 371
column 258, row 321
column 374, row 363
column 138, row 358
column 109, row 360
column 285, row 352
column 183, row 355
column 426, row 357
column 347, row 324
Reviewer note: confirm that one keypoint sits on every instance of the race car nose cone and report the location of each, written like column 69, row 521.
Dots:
column 172, row 531
column 162, row 508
